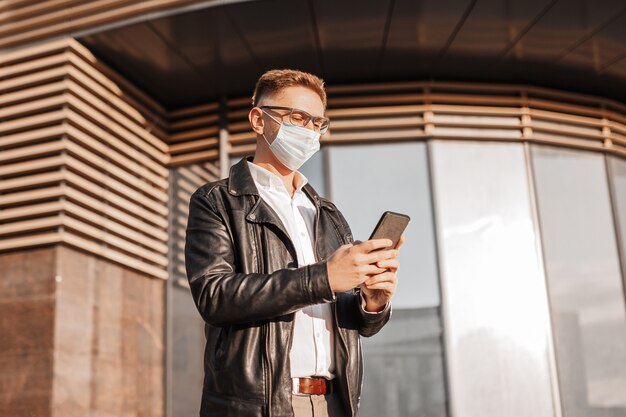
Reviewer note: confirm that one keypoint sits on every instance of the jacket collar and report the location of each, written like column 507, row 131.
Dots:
column 240, row 182
column 264, row 178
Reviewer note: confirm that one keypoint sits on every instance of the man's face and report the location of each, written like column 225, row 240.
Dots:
column 297, row 97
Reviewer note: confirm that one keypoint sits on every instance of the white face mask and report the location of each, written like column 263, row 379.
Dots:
column 294, row 145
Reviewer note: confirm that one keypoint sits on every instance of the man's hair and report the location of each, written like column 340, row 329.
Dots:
column 274, row 81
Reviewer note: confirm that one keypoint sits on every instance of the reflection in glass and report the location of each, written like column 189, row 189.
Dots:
column 185, row 328
column 494, row 298
column 367, row 180
column 404, row 374
column 403, row 367
column 313, row 169
column 586, row 293
column 618, row 181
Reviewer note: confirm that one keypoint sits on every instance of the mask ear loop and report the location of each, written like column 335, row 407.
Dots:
column 266, row 141
column 272, row 117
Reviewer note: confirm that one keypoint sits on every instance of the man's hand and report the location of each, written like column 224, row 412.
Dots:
column 351, row 265
column 378, row 289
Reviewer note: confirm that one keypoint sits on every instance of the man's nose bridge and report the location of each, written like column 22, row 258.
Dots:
column 310, row 121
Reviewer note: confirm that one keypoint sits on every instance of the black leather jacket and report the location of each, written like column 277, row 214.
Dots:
column 246, row 284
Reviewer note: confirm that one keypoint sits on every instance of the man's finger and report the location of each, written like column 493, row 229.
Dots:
column 400, row 242
column 372, row 269
column 373, row 257
column 373, row 244
column 389, row 263
column 382, row 277
column 384, row 286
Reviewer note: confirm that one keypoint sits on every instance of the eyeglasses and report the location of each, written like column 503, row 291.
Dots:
column 301, row 118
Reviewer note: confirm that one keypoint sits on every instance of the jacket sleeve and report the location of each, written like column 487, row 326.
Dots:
column 225, row 296
column 368, row 323
column 371, row 323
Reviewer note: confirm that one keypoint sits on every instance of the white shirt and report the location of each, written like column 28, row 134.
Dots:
column 312, row 350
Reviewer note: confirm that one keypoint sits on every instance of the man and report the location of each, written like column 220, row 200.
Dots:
column 274, row 272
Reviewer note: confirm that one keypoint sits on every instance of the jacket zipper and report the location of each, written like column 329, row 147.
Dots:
column 266, row 328
column 268, row 365
column 345, row 345
column 343, row 340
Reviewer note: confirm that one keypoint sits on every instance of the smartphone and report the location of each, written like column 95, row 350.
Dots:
column 391, row 225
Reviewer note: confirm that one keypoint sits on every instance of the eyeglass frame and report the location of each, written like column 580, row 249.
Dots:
column 309, row 117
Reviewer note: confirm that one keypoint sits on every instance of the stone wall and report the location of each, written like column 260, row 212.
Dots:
column 79, row 336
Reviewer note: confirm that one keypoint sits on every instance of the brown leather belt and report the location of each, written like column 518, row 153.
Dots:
column 312, row 386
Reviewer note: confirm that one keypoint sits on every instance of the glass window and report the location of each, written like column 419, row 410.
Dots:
column 404, row 373
column 185, row 328
column 367, row 180
column 586, row 293
column 618, row 181
column 186, row 347
column 313, row 169
column 494, row 300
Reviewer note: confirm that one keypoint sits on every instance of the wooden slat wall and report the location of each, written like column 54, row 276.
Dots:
column 184, row 181
column 462, row 111
column 83, row 158
column 24, row 21
column 194, row 134
column 436, row 110
column 241, row 139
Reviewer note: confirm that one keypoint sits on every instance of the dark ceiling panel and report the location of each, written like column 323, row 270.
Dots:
column 158, row 70
column 601, row 49
column 237, row 64
column 283, row 37
column 417, row 34
column 194, row 57
column 351, row 36
column 438, row 21
column 563, row 26
column 216, row 50
column 522, row 16
column 491, row 29
column 618, row 69
column 193, row 35
column 484, row 32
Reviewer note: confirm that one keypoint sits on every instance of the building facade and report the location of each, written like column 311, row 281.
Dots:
column 499, row 127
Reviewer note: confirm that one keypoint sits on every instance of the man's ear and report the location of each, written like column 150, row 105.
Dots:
column 255, row 116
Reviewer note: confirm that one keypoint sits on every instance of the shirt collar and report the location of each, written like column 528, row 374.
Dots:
column 267, row 179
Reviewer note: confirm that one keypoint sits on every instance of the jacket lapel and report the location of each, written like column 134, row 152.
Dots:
column 261, row 212
column 240, row 182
